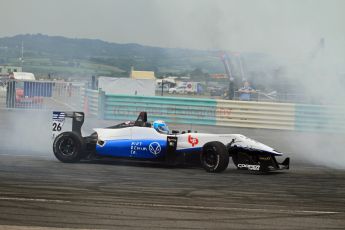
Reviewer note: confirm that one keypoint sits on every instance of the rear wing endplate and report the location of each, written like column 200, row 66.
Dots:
column 59, row 120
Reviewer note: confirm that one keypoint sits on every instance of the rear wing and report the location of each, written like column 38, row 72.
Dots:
column 59, row 120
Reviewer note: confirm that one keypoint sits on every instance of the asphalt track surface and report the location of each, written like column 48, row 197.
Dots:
column 39, row 192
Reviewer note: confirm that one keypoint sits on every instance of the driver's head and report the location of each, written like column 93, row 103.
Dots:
column 160, row 126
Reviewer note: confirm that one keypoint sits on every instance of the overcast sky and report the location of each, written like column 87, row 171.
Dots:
column 273, row 26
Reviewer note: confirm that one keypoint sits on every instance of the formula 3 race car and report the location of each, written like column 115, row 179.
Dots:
column 139, row 140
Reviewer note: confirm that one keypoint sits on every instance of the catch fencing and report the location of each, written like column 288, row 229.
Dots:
column 15, row 94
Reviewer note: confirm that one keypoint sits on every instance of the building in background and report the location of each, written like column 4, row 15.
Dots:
column 6, row 69
column 218, row 76
column 148, row 75
column 127, row 86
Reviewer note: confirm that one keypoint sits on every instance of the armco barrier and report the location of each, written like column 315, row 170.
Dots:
column 170, row 109
column 90, row 101
column 267, row 115
column 319, row 118
column 255, row 114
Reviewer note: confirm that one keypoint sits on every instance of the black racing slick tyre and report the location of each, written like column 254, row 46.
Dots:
column 68, row 147
column 214, row 157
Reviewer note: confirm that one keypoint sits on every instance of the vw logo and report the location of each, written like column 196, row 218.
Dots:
column 155, row 148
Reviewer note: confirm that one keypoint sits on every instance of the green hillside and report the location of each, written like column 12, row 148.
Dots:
column 62, row 56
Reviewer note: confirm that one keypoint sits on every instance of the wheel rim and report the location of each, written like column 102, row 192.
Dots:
column 211, row 158
column 67, row 146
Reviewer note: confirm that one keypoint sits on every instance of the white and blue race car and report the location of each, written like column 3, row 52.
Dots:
column 143, row 141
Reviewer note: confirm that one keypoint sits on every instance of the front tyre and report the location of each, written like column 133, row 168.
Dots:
column 214, row 157
column 68, row 147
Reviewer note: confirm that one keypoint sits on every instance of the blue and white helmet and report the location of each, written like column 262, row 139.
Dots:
column 160, row 126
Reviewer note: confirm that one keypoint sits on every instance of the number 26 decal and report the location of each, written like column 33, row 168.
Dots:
column 57, row 126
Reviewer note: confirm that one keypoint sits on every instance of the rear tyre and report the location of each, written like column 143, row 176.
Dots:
column 68, row 147
column 214, row 157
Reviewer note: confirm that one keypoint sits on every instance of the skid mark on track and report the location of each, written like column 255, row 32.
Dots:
column 208, row 208
column 33, row 199
column 16, row 227
column 172, row 206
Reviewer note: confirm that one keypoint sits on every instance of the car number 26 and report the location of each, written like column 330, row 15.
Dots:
column 57, row 126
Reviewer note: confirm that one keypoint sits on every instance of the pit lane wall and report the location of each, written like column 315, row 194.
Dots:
column 267, row 115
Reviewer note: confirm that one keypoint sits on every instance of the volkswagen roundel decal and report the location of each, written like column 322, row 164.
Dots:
column 155, row 148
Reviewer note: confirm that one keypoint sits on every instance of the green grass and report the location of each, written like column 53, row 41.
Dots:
column 59, row 67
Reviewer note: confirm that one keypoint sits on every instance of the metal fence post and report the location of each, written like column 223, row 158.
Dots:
column 11, row 94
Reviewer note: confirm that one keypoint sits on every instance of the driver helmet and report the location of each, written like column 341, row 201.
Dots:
column 160, row 126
